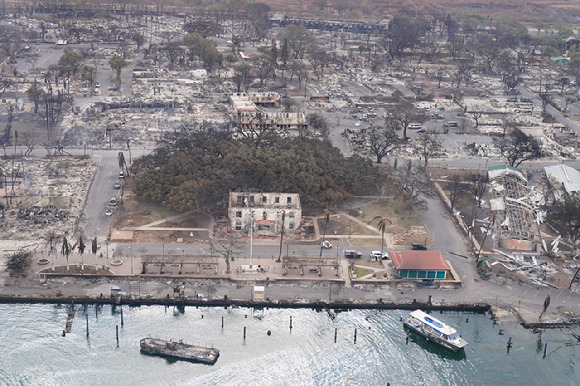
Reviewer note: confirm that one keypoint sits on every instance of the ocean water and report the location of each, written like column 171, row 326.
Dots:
column 34, row 352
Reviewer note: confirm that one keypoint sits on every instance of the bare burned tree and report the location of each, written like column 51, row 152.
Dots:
column 243, row 77
column 30, row 141
column 59, row 144
column 48, row 146
column 416, row 184
column 429, row 146
column 455, row 190
column 476, row 116
column 263, row 68
column 5, row 84
column 226, row 247
column 403, row 114
column 564, row 216
column 517, row 147
column 382, row 142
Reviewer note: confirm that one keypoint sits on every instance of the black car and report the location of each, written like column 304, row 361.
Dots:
column 418, row 247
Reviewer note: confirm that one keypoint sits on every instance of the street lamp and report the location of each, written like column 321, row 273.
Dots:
column 131, row 256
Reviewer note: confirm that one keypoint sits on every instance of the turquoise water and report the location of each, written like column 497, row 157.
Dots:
column 32, row 350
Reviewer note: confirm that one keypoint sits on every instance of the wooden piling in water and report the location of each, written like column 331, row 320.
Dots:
column 335, row 334
column 87, row 315
column 355, row 336
column 545, row 348
column 222, row 322
column 122, row 322
column 290, row 322
column 69, row 320
column 117, row 330
column 244, row 332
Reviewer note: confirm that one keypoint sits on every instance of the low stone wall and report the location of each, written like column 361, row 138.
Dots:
column 377, row 304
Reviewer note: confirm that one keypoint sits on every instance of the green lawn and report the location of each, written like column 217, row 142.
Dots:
column 360, row 272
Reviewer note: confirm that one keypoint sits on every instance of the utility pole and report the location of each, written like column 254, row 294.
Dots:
column 326, row 220
column 281, row 235
column 251, row 235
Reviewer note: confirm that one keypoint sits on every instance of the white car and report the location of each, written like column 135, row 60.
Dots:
column 108, row 212
column 326, row 244
column 357, row 124
column 377, row 255
column 414, row 126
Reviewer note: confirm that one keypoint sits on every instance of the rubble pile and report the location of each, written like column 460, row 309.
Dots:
column 49, row 194
column 417, row 233
column 531, row 265
column 130, row 119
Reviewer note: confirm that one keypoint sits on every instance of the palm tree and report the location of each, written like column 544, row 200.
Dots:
column 50, row 239
column 81, row 247
column 382, row 225
column 94, row 248
column 65, row 250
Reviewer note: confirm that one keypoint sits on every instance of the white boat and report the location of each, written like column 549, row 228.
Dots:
column 435, row 330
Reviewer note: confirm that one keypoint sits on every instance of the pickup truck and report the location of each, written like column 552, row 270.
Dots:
column 352, row 254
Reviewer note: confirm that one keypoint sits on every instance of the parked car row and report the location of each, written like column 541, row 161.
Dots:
column 378, row 255
column 113, row 202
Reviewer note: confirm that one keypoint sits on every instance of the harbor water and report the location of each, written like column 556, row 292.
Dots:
column 34, row 352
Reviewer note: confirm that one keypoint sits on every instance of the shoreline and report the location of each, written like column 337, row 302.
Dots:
column 82, row 290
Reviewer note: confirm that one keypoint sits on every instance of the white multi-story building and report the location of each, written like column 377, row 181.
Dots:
column 265, row 211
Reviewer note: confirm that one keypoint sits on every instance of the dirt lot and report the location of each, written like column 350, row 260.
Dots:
column 134, row 213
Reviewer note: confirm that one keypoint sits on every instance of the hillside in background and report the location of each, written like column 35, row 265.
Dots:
column 524, row 10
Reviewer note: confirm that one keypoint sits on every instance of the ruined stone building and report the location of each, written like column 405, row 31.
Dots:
column 281, row 121
column 267, row 99
column 245, row 106
column 241, row 103
column 265, row 211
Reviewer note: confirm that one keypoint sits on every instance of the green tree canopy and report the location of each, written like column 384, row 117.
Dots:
column 299, row 39
column 70, row 63
column 117, row 64
column 204, row 49
column 198, row 170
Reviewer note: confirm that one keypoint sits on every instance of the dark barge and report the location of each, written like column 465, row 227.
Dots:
column 179, row 350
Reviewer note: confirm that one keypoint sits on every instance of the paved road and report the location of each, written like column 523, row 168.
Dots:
column 551, row 110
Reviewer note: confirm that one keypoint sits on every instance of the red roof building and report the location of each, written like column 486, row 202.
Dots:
column 420, row 264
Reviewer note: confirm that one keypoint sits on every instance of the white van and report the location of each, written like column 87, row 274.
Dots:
column 414, row 126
